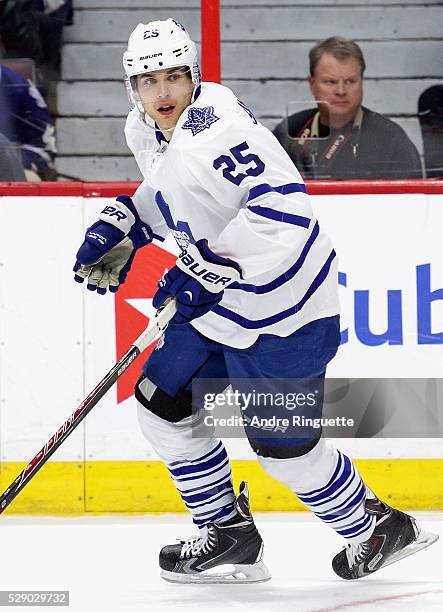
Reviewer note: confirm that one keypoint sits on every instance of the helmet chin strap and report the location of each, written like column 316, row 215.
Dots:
column 153, row 126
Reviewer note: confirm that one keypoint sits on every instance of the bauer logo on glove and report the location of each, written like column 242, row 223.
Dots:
column 197, row 282
column 112, row 211
column 189, row 263
column 109, row 247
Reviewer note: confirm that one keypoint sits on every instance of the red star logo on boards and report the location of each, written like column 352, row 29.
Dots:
column 133, row 309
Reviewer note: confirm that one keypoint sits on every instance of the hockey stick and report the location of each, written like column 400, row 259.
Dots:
column 156, row 327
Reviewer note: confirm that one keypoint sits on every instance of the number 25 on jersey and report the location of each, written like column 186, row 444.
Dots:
column 229, row 171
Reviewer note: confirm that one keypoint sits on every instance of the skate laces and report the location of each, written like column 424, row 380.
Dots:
column 357, row 552
column 195, row 546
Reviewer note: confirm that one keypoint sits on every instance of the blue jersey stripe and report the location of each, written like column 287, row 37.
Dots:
column 164, row 209
column 278, row 215
column 159, row 134
column 280, row 316
column 287, row 189
column 285, row 276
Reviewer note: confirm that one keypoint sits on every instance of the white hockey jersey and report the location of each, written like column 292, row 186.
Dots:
column 224, row 177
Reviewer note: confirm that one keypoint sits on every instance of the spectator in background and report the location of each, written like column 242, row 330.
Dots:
column 25, row 121
column 341, row 139
column 11, row 167
column 52, row 16
column 34, row 29
column 19, row 30
column 430, row 114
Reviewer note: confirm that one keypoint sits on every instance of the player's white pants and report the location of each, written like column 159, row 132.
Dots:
column 327, row 482
column 199, row 467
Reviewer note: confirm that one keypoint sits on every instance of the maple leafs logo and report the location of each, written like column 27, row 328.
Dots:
column 200, row 119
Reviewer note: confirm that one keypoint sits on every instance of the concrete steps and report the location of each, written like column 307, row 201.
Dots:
column 265, row 49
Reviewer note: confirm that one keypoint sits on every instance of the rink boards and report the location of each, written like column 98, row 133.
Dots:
column 58, row 340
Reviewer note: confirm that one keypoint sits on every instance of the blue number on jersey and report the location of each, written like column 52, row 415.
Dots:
column 242, row 158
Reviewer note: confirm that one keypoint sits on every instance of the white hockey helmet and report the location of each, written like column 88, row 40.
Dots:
column 159, row 45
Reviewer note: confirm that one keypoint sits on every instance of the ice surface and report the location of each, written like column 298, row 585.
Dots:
column 109, row 563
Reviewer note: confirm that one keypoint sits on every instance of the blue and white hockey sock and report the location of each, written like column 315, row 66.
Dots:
column 327, row 482
column 198, row 466
column 340, row 502
column 205, row 485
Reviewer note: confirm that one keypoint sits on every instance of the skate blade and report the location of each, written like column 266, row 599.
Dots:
column 423, row 540
column 222, row 574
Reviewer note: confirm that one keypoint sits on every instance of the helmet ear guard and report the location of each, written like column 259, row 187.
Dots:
column 158, row 45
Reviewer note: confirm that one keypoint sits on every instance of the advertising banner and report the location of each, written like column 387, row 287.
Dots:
column 57, row 339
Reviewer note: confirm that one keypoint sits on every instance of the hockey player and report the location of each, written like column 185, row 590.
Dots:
column 256, row 293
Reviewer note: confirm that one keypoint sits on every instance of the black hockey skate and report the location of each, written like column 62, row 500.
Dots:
column 396, row 535
column 232, row 551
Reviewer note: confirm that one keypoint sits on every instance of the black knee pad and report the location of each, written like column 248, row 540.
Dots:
column 172, row 409
column 261, row 448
